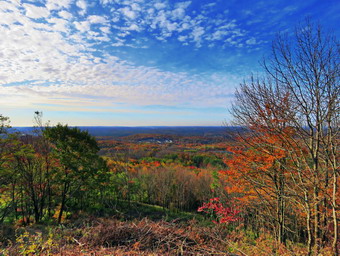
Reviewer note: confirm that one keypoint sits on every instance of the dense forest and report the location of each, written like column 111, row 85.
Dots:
column 270, row 189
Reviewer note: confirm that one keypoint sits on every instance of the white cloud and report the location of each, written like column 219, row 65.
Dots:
column 58, row 4
column 182, row 38
column 209, row 5
column 105, row 30
column 83, row 26
column 230, row 25
column 65, row 71
column 59, row 25
column 95, row 19
column 67, row 68
column 8, row 6
column 183, row 5
column 178, row 13
column 218, row 35
column 160, row 5
column 185, row 26
column 105, row 2
column 251, row 41
column 197, row 34
column 65, row 15
column 133, row 27
column 7, row 18
column 163, row 19
column 135, row 7
column 128, row 13
column 36, row 12
column 82, row 5
column 102, row 38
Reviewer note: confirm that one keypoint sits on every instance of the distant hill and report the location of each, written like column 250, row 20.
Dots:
column 114, row 131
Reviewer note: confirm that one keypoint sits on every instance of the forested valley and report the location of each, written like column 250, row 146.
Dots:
column 268, row 188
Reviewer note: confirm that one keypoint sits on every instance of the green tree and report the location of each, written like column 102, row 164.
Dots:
column 78, row 161
column 6, row 141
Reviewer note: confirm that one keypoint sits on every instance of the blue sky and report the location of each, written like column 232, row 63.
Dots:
column 138, row 62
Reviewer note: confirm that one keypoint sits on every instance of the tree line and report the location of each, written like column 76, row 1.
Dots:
column 58, row 171
column 41, row 173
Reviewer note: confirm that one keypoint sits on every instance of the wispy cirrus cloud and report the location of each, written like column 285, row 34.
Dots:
column 55, row 53
column 180, row 54
column 165, row 20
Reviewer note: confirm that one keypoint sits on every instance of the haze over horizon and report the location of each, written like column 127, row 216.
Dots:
column 138, row 62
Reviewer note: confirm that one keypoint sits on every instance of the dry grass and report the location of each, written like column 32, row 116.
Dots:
column 151, row 238
column 114, row 237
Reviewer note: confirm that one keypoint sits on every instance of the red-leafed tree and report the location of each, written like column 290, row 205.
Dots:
column 257, row 169
column 223, row 213
column 291, row 147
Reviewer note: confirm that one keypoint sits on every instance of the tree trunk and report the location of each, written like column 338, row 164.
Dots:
column 63, row 201
column 335, row 220
column 309, row 230
column 316, row 223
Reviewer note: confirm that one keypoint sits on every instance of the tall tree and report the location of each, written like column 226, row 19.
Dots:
column 79, row 162
column 299, row 97
column 6, row 177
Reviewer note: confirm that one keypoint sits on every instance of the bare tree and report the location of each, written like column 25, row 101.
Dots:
column 300, row 94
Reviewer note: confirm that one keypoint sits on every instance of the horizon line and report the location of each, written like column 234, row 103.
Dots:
column 126, row 126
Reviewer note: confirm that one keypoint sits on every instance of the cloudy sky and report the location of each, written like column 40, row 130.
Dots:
column 138, row 62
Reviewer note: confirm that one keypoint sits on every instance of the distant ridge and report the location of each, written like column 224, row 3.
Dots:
column 120, row 131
